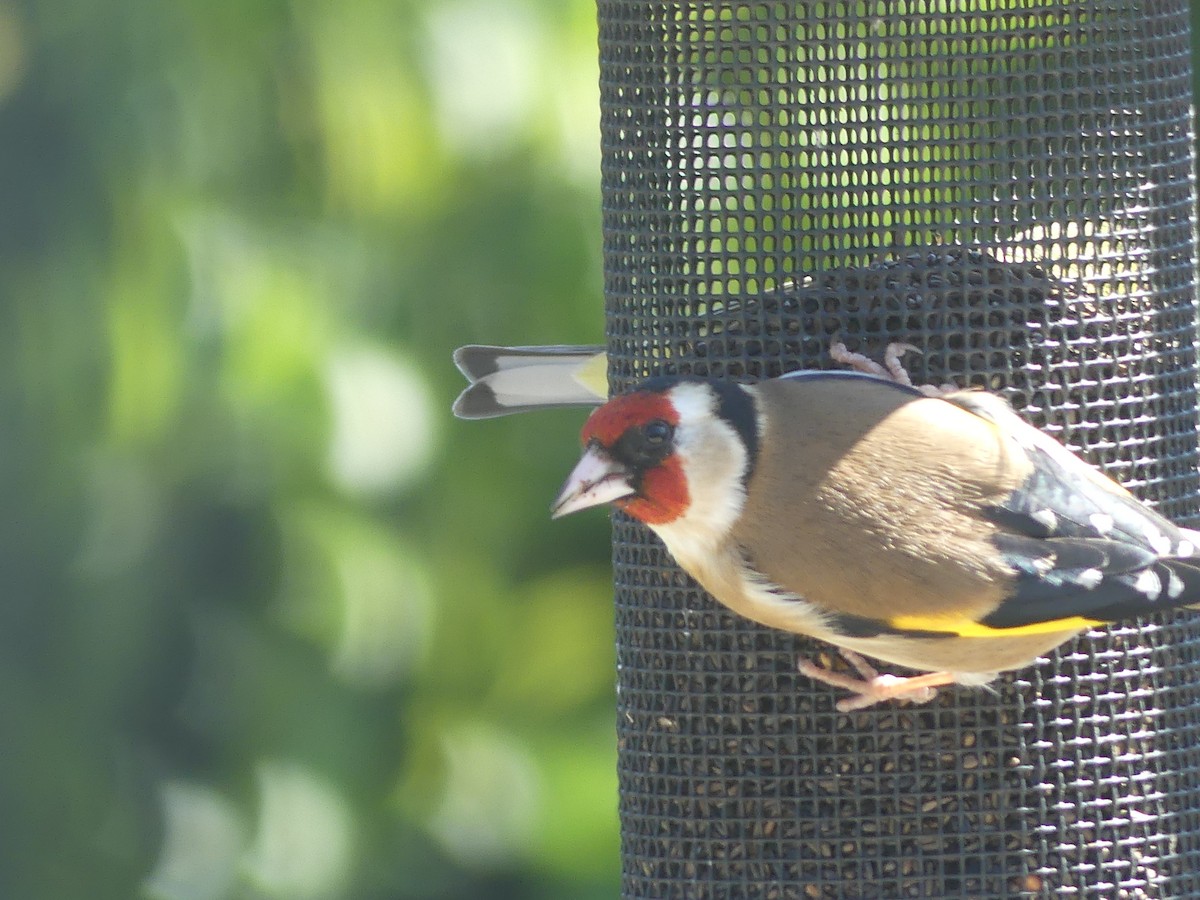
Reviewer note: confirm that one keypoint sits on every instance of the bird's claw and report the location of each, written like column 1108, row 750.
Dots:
column 891, row 369
column 871, row 687
column 860, row 362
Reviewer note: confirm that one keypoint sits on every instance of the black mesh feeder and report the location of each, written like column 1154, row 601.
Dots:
column 1007, row 186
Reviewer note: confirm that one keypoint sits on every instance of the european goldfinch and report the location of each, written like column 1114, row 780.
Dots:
column 940, row 533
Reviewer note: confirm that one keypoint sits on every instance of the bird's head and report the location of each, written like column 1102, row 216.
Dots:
column 672, row 450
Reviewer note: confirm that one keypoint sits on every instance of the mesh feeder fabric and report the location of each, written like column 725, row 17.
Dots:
column 1007, row 186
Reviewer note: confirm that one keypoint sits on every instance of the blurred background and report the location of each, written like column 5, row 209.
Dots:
column 274, row 624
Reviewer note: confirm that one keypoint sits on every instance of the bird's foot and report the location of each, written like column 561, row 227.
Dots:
column 871, row 687
column 891, row 369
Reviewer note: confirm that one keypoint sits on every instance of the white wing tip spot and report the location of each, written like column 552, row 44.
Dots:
column 1101, row 522
column 1149, row 584
column 1047, row 518
column 1159, row 542
column 1174, row 585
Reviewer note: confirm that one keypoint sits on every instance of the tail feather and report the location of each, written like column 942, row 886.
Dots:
column 507, row 380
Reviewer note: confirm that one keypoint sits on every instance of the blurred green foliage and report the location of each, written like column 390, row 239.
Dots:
column 275, row 625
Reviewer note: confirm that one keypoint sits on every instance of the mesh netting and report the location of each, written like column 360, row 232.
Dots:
column 1007, row 186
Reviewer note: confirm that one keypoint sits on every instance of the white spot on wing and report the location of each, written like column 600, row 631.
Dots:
column 1101, row 522
column 1159, row 542
column 1090, row 578
column 1047, row 518
column 1185, row 548
column 1044, row 564
column 1148, row 583
column 1174, row 585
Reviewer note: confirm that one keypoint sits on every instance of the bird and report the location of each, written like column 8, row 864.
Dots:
column 934, row 530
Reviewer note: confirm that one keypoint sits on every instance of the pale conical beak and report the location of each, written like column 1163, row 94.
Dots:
column 596, row 479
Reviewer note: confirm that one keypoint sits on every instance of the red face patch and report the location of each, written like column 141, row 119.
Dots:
column 662, row 493
column 618, row 415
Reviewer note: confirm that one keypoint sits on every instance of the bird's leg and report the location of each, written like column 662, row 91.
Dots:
column 871, row 687
column 892, row 369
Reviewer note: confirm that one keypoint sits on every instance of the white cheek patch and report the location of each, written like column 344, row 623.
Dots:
column 693, row 403
column 714, row 460
column 715, row 492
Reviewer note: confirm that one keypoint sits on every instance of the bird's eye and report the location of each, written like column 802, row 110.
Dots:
column 657, row 432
